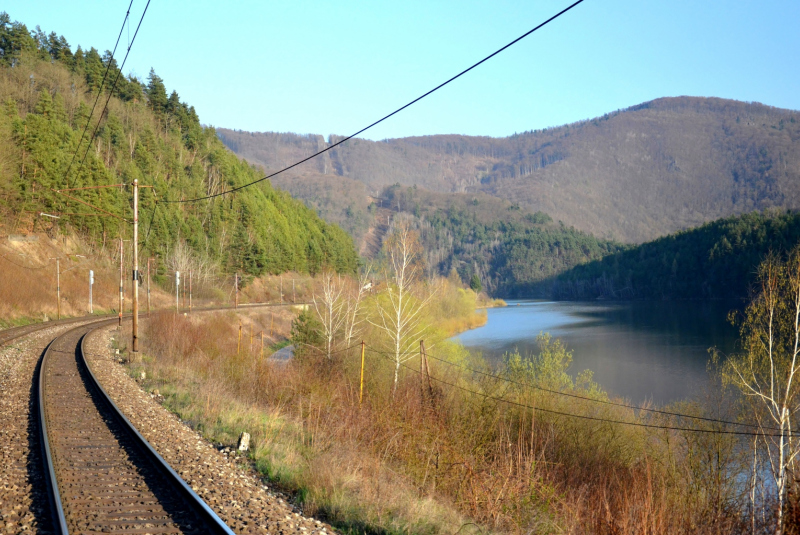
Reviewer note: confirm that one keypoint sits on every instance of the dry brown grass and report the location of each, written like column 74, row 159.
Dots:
column 434, row 462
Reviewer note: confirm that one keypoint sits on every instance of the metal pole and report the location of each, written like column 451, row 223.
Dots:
column 91, row 283
column 177, row 290
column 58, row 288
column 120, row 281
column 361, row 388
column 135, row 278
column 281, row 290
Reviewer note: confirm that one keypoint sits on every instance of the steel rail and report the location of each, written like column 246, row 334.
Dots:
column 211, row 520
column 208, row 514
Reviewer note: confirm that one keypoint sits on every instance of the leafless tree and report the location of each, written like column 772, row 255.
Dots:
column 399, row 310
column 355, row 316
column 331, row 308
column 767, row 370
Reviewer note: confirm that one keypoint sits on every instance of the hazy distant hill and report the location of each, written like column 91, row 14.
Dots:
column 632, row 175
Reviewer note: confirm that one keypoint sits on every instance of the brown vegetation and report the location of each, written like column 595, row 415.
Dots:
column 440, row 454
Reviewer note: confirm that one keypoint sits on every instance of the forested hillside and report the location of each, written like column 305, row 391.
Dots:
column 47, row 91
column 632, row 175
column 512, row 251
column 716, row 260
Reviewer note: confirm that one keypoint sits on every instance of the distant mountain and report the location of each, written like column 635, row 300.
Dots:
column 632, row 175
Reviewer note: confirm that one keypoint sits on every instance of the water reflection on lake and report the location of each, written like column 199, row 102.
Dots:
column 639, row 350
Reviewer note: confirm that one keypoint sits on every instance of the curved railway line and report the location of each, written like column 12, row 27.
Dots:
column 98, row 473
column 103, row 475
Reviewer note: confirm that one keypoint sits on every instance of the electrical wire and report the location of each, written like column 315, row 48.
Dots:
column 398, row 110
column 576, row 396
column 7, row 259
column 114, row 86
column 603, row 420
column 150, row 226
column 323, row 352
column 99, row 94
column 601, row 401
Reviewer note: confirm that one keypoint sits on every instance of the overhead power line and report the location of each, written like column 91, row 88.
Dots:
column 597, row 418
column 577, row 396
column 398, row 110
column 113, row 87
column 600, row 401
column 99, row 94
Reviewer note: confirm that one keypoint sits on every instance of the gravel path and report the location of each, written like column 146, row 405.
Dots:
column 233, row 491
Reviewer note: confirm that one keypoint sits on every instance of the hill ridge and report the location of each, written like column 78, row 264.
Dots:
column 633, row 174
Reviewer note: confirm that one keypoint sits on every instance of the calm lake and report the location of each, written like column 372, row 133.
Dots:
column 638, row 350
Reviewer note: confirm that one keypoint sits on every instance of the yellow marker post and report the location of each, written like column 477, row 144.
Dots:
column 361, row 388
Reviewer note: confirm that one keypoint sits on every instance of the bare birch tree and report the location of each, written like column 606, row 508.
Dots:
column 331, row 308
column 767, row 371
column 355, row 316
column 399, row 311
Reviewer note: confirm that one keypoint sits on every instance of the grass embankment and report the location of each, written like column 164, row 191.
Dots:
column 461, row 451
column 29, row 280
column 308, row 437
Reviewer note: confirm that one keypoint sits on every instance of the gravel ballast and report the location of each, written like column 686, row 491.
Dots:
column 24, row 506
column 232, row 489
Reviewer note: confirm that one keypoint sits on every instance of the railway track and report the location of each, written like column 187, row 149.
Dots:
column 103, row 475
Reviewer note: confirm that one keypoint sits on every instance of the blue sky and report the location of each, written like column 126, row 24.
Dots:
column 334, row 67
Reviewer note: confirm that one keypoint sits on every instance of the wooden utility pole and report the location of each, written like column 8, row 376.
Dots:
column 135, row 278
column 120, row 281
column 424, row 361
column 361, row 387
column 148, row 287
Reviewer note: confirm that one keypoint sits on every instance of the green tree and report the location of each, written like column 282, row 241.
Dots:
column 156, row 92
column 475, row 283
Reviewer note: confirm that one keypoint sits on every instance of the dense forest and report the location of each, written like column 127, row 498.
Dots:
column 716, row 260
column 47, row 91
column 646, row 171
column 509, row 251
